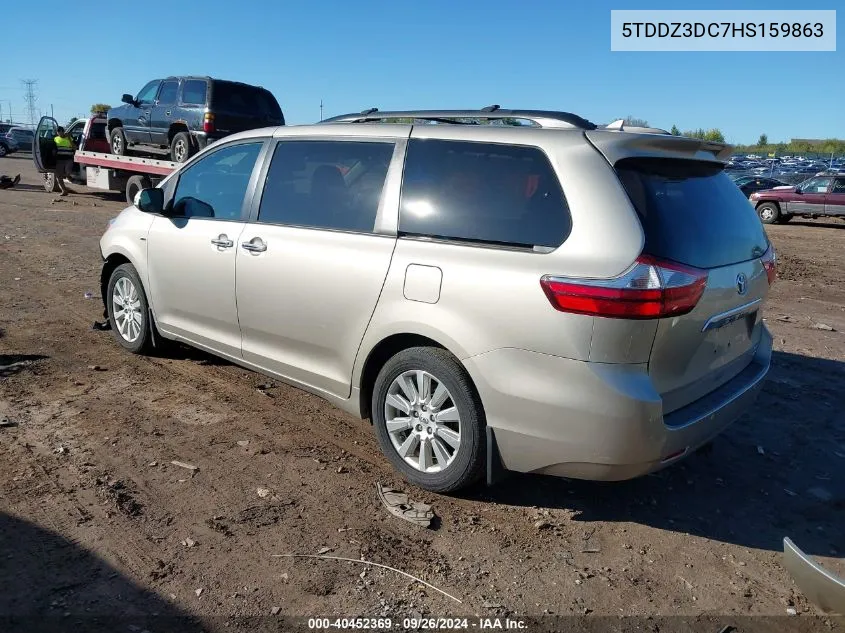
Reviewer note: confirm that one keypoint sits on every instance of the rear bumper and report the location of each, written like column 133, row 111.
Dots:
column 597, row 421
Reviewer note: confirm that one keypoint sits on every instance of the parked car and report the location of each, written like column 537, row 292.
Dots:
column 569, row 300
column 816, row 197
column 759, row 183
column 23, row 136
column 184, row 114
column 8, row 145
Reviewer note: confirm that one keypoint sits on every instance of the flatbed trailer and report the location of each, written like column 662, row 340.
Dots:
column 111, row 172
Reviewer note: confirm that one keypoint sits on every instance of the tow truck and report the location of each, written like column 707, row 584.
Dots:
column 93, row 166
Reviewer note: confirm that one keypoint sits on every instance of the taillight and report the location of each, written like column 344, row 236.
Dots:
column 770, row 263
column 208, row 122
column 651, row 289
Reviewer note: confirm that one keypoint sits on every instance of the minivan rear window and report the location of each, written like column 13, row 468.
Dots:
column 237, row 98
column 691, row 212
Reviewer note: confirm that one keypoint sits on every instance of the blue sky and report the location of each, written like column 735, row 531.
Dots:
column 549, row 54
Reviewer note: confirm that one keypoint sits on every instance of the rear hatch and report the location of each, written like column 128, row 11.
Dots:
column 238, row 107
column 693, row 214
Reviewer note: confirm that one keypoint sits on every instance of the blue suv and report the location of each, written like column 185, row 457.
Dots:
column 184, row 114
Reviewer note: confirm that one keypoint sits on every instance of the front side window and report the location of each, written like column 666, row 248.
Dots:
column 816, row 185
column 214, row 186
column 167, row 94
column 326, row 184
column 482, row 192
column 148, row 92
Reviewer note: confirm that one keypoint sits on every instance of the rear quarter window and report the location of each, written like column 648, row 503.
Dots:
column 691, row 212
column 194, row 92
column 244, row 99
column 488, row 193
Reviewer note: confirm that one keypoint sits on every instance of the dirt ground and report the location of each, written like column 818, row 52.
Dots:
column 95, row 520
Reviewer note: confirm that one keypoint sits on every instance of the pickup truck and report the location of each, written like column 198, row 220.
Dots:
column 820, row 196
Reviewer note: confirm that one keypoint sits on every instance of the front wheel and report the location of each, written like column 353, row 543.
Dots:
column 429, row 420
column 3, row 150
column 49, row 182
column 769, row 213
column 128, row 311
column 118, row 141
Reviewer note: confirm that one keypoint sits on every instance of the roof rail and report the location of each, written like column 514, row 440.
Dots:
column 541, row 118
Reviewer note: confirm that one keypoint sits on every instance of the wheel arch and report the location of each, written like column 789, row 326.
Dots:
column 175, row 128
column 113, row 123
column 386, row 348
column 776, row 203
column 116, row 257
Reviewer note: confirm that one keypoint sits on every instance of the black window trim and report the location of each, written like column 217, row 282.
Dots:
column 387, row 215
column 172, row 184
column 181, row 98
column 487, row 244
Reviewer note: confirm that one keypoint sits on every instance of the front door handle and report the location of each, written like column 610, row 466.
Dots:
column 255, row 245
column 222, row 241
column 167, row 113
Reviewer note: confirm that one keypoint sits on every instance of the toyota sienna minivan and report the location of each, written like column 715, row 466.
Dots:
column 551, row 295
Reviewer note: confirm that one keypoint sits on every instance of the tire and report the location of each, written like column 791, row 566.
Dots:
column 461, row 466
column 3, row 150
column 117, row 141
column 134, row 185
column 769, row 212
column 50, row 183
column 181, row 148
column 123, row 280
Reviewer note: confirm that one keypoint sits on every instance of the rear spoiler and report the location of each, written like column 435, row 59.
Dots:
column 631, row 143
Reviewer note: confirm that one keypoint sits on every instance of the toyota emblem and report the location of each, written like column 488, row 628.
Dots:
column 741, row 284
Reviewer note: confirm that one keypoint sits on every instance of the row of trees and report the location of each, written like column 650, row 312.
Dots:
column 825, row 148
column 713, row 134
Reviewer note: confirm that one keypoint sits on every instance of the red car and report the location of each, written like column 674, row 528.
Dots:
column 817, row 197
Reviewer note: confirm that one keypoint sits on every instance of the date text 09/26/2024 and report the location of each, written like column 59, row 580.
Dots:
column 420, row 624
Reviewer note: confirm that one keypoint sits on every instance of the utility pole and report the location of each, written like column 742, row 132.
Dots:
column 52, row 116
column 321, row 109
column 30, row 98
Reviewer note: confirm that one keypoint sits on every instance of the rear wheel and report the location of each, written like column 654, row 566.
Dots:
column 769, row 212
column 429, row 420
column 118, row 141
column 128, row 311
column 181, row 148
column 2, row 150
column 134, row 185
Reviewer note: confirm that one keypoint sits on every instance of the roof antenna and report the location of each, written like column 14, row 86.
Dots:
column 490, row 108
column 369, row 111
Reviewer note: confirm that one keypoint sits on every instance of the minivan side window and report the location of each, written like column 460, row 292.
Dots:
column 326, row 184
column 193, row 92
column 214, row 186
column 482, row 192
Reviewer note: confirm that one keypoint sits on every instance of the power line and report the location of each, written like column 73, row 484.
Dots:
column 30, row 98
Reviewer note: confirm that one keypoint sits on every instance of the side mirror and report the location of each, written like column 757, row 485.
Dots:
column 150, row 200
column 128, row 99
